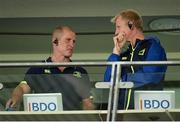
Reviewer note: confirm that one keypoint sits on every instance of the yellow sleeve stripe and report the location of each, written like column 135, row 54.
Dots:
column 23, row 82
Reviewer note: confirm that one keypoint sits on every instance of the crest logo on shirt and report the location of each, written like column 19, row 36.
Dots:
column 77, row 74
column 141, row 52
column 47, row 71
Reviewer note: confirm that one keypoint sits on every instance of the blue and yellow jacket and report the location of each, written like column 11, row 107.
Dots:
column 143, row 77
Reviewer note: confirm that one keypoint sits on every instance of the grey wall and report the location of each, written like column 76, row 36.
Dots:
column 26, row 26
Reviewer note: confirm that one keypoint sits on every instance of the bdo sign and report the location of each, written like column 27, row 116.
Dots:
column 43, row 102
column 154, row 100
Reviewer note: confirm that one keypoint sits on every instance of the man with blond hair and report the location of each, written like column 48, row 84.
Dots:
column 72, row 82
column 129, row 28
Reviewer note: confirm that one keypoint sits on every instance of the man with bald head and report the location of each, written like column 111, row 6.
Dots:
column 72, row 82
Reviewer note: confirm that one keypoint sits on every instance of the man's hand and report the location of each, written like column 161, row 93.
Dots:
column 119, row 41
column 17, row 95
column 87, row 104
column 11, row 103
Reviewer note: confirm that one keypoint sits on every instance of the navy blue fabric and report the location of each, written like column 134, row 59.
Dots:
column 51, row 80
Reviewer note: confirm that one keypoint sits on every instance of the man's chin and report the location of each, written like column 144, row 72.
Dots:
column 68, row 56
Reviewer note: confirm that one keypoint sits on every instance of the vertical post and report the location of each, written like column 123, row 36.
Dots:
column 116, row 92
column 110, row 100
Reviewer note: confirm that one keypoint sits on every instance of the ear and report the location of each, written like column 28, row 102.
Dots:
column 130, row 25
column 56, row 42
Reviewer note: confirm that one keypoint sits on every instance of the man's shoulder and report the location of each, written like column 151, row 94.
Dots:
column 38, row 70
column 35, row 70
column 152, row 40
column 80, row 69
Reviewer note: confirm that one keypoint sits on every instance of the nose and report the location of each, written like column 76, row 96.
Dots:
column 72, row 43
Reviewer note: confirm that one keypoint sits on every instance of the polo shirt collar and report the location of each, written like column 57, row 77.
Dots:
column 50, row 60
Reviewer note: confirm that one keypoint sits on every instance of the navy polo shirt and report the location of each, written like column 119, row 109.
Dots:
column 73, row 83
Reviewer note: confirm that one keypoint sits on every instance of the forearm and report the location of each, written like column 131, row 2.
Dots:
column 19, row 91
column 17, row 94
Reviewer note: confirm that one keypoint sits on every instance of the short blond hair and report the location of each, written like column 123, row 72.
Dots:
column 130, row 15
column 59, row 29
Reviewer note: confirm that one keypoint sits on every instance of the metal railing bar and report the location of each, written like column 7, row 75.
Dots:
column 123, row 63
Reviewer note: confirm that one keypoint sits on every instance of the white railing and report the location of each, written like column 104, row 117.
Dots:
column 44, row 64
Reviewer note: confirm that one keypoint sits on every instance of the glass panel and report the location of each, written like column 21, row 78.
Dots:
column 76, row 85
